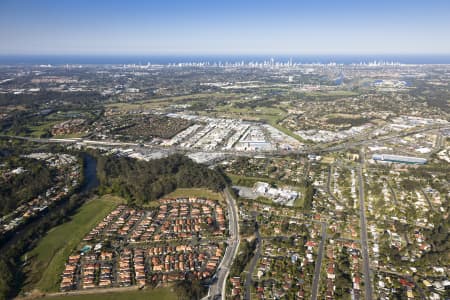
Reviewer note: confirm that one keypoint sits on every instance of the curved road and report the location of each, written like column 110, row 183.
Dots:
column 217, row 289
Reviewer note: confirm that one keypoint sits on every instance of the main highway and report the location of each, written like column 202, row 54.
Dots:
column 217, row 289
column 320, row 148
column 365, row 252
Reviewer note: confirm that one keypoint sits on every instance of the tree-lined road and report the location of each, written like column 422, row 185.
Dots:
column 253, row 262
column 318, row 266
column 365, row 252
column 217, row 289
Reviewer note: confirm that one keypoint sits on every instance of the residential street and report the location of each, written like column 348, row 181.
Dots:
column 316, row 279
column 253, row 262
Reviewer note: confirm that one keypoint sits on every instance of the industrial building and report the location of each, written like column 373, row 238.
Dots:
column 399, row 159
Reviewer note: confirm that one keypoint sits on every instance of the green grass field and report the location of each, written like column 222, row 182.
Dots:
column 245, row 180
column 300, row 201
column 259, row 110
column 45, row 262
column 161, row 102
column 195, row 192
column 288, row 132
column 41, row 128
column 338, row 93
column 33, row 130
column 157, row 294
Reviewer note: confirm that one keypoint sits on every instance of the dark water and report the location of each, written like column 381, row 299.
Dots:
column 90, row 174
column 211, row 59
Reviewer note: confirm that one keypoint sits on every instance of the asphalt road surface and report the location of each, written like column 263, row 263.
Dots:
column 365, row 252
column 217, row 289
column 318, row 266
column 253, row 262
column 321, row 148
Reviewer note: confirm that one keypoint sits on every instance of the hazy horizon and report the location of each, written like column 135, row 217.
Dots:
column 164, row 59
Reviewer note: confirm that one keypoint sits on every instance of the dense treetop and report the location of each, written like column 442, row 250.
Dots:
column 141, row 181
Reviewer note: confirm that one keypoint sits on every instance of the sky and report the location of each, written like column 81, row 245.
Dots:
column 231, row 27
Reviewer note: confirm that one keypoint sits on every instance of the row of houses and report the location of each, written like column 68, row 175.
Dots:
column 175, row 219
column 354, row 254
column 135, row 259
column 68, row 280
column 68, row 127
column 106, row 223
column 236, row 288
column 124, row 271
column 138, row 266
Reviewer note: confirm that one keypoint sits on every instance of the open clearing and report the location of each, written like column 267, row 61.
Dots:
column 159, row 293
column 195, row 192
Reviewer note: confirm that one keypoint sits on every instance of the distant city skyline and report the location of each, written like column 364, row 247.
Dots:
column 176, row 27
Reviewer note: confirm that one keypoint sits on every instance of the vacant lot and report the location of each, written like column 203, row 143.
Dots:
column 159, row 293
column 195, row 192
column 45, row 263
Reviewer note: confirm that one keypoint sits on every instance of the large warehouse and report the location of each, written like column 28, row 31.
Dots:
column 399, row 159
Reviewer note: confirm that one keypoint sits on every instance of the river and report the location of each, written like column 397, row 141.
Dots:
column 90, row 173
column 90, row 182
